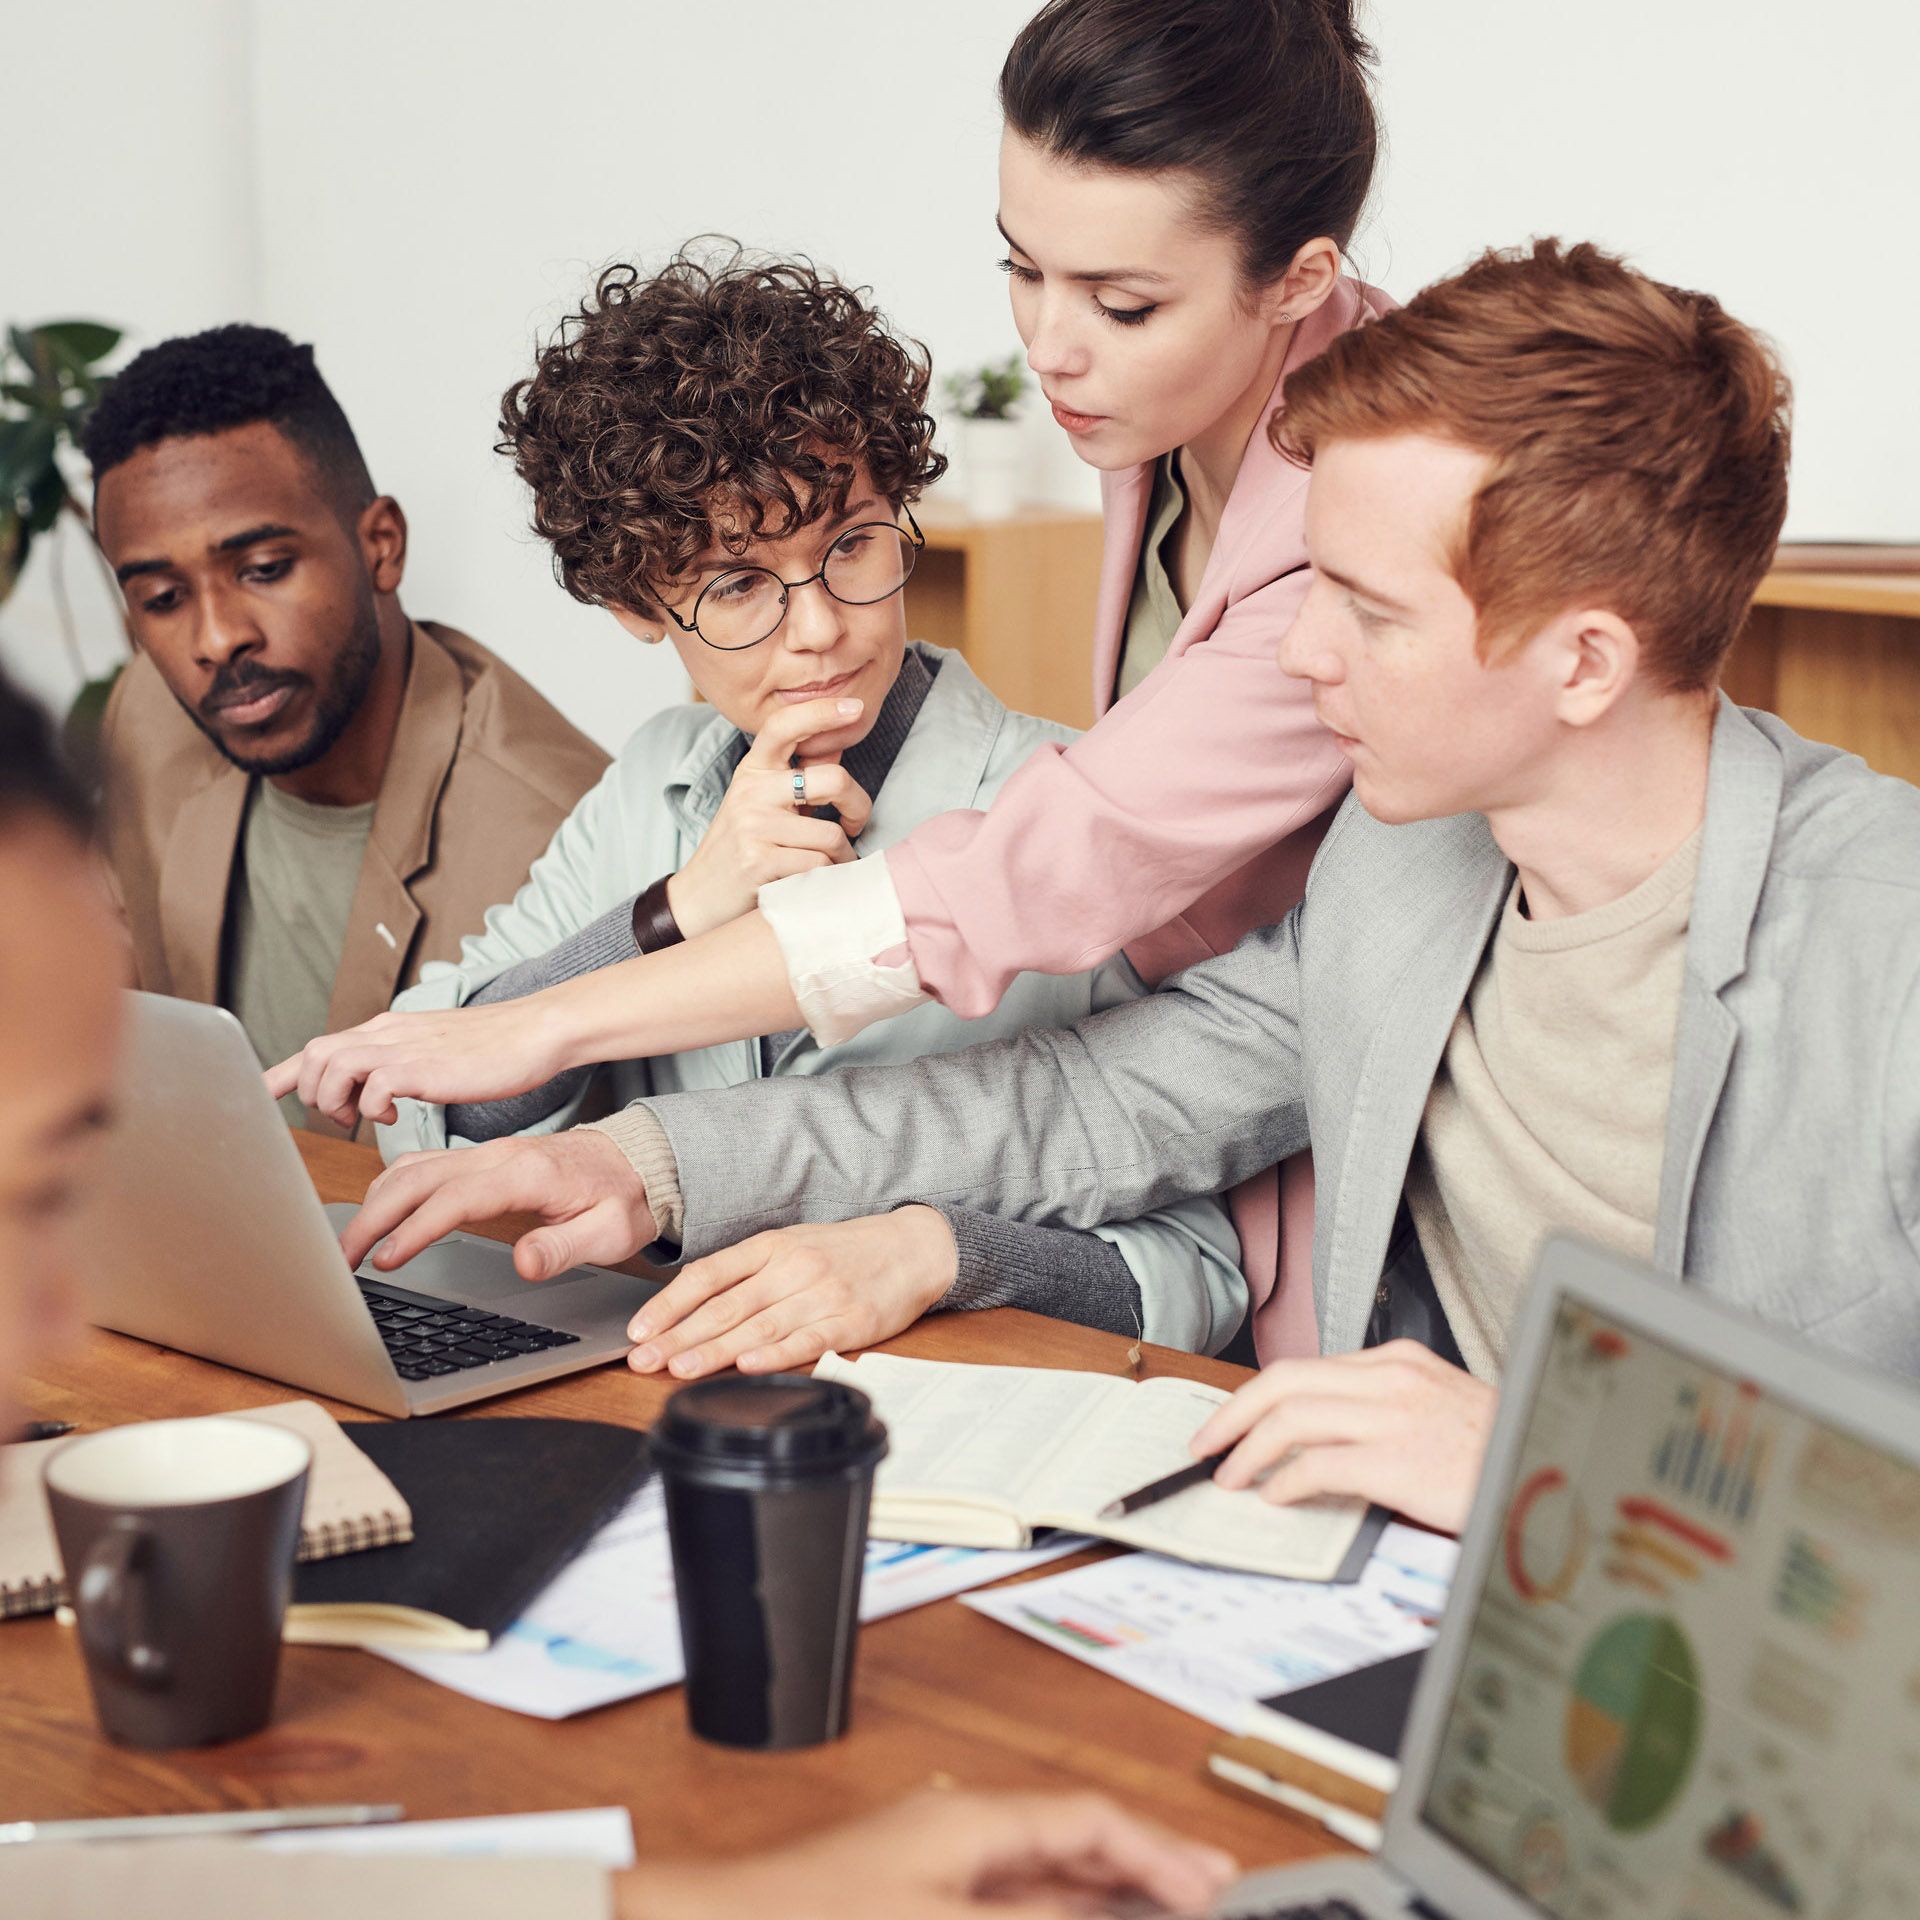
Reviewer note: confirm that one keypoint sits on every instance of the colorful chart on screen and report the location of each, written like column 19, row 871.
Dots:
column 1546, row 1537
column 1633, row 1724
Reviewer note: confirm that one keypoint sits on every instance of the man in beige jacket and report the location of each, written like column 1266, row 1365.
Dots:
column 307, row 795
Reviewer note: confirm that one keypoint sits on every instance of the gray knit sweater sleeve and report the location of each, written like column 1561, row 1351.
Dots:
column 1053, row 1270
column 601, row 943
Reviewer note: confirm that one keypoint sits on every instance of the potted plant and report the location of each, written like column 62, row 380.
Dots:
column 992, row 464
column 50, row 380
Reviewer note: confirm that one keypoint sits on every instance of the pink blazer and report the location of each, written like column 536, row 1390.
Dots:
column 1188, row 814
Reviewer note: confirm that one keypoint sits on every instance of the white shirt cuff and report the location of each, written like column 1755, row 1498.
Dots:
column 844, row 939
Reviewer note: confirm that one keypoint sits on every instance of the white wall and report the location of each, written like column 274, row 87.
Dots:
column 438, row 185
column 1767, row 150
column 130, row 201
column 422, row 188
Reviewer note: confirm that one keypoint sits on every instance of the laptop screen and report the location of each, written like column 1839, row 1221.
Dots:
column 1691, row 1689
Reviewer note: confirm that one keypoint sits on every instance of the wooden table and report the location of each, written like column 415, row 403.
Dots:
column 939, row 1692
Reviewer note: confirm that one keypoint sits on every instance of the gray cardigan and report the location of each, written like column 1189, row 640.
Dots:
column 1791, row 1169
column 645, row 819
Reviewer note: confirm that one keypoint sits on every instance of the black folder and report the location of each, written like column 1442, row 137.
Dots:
column 499, row 1507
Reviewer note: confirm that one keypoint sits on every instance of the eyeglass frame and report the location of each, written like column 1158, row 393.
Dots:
column 917, row 544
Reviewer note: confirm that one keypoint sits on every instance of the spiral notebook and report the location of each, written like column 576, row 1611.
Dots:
column 351, row 1504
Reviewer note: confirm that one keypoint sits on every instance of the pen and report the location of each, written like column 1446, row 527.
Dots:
column 183, row 1826
column 39, row 1430
column 1164, row 1489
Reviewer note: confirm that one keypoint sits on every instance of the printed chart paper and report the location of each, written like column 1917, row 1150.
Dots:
column 606, row 1629
column 1210, row 1641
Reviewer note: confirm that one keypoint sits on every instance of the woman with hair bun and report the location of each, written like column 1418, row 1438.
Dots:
column 1177, row 187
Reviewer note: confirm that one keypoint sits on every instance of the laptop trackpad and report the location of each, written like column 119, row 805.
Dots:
column 479, row 1272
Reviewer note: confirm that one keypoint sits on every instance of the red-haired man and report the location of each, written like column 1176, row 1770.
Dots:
column 1589, row 949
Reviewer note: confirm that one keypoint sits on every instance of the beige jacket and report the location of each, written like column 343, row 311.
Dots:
column 482, row 773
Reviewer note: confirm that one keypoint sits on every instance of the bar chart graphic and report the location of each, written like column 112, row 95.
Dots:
column 1814, row 1589
column 1716, row 1448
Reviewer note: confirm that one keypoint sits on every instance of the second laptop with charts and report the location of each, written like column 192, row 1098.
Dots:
column 206, row 1235
column 1680, row 1677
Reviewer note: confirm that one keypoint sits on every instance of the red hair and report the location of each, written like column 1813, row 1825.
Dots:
column 1638, row 436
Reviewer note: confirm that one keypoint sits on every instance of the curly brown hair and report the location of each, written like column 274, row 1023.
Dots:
column 718, row 402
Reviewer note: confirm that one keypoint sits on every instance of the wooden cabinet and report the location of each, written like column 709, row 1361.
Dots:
column 1016, row 598
column 1837, row 656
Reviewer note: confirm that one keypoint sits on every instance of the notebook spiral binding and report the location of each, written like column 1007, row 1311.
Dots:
column 321, row 1542
column 324, row 1541
column 34, row 1596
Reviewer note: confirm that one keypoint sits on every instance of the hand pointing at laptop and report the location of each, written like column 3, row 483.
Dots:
column 1390, row 1423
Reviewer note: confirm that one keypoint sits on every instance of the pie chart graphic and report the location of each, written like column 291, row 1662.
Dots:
column 1633, row 1724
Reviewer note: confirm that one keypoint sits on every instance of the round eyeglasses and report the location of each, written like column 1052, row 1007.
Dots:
column 865, row 564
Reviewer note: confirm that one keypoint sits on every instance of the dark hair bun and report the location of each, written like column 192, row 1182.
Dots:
column 1266, row 101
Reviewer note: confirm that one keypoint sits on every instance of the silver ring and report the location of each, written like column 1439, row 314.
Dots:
column 800, row 789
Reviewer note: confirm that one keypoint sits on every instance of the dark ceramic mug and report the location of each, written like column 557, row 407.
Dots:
column 178, row 1539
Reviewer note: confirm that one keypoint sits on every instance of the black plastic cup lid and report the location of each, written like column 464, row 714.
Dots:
column 788, row 1422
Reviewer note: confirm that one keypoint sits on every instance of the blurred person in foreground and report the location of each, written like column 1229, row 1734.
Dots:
column 765, row 436
column 938, row 1856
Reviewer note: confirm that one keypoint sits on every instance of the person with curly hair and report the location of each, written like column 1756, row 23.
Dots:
column 308, row 795
column 725, row 455
column 1177, row 187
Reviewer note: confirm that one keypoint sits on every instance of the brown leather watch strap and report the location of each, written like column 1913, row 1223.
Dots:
column 654, row 926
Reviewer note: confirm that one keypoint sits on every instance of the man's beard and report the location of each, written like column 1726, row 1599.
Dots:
column 339, row 701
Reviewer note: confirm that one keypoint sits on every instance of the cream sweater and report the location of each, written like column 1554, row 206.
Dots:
column 1549, row 1109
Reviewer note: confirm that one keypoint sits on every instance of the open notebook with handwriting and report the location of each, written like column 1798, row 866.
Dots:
column 983, row 1456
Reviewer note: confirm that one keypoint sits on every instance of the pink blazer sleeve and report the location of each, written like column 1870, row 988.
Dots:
column 1214, row 760
column 1215, row 757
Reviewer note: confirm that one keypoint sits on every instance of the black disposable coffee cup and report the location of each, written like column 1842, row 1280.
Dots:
column 767, row 1485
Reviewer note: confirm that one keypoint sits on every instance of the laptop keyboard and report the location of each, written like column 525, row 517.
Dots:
column 428, row 1338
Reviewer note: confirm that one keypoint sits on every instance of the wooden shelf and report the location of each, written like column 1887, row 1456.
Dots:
column 1891, row 593
column 1836, row 655
column 949, row 530
column 1016, row 597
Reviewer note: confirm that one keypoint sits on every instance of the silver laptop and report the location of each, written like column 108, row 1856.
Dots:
column 1680, row 1675
column 204, row 1234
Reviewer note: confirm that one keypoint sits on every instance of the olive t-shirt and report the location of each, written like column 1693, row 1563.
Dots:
column 293, row 886
column 1154, row 611
column 1549, row 1111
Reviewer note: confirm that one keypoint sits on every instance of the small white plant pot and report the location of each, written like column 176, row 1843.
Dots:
column 995, row 462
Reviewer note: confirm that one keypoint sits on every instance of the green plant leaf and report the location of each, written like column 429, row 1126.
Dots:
column 26, row 453
column 46, row 495
column 37, row 360
column 14, row 542
column 77, row 344
column 80, row 732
